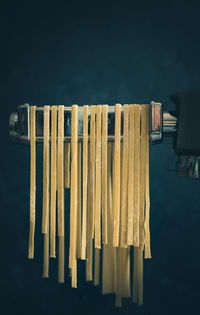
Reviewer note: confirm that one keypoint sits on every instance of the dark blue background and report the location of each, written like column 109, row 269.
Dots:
column 98, row 52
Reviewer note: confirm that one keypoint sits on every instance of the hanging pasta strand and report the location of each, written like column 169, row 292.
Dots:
column 53, row 181
column 73, row 203
column 104, row 174
column 32, row 181
column 85, row 181
column 109, row 195
column 147, row 202
column 89, row 261
column 67, row 148
column 79, row 197
column 92, row 174
column 119, row 257
column 141, row 211
column 98, row 180
column 117, row 175
column 60, row 179
column 136, row 175
column 142, row 172
column 45, row 222
column 45, row 213
column 124, row 182
column 109, row 252
column 130, row 177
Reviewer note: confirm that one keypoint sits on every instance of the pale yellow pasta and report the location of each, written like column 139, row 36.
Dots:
column 142, row 172
column 60, row 178
column 60, row 155
column 109, row 252
column 109, row 195
column 85, row 181
column 53, row 181
column 32, row 181
column 124, row 178
column 45, row 218
column 92, row 174
column 147, row 202
column 79, row 199
column 45, row 213
column 73, row 202
column 136, row 175
column 104, row 173
column 116, row 218
column 89, row 260
column 67, row 147
column 98, row 180
column 130, row 176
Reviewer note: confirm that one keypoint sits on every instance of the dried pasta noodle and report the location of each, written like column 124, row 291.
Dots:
column 116, row 217
column 89, row 260
column 124, row 177
column 92, row 174
column 130, row 177
column 73, row 202
column 45, row 171
column 85, row 181
column 109, row 252
column 147, row 202
column 60, row 184
column 32, row 182
column 45, row 218
column 53, row 181
column 79, row 199
column 98, row 180
column 104, row 174
column 67, row 147
column 109, row 195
